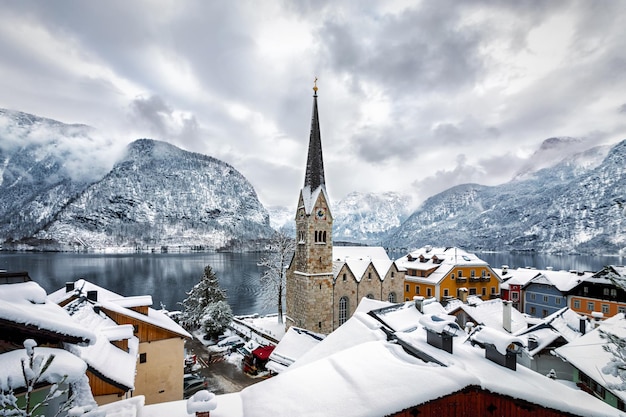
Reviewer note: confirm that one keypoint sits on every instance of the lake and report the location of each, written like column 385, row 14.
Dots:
column 167, row 276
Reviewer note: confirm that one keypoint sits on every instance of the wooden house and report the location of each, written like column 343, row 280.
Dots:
column 159, row 355
column 603, row 292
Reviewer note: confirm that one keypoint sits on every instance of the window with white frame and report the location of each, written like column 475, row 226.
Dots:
column 343, row 310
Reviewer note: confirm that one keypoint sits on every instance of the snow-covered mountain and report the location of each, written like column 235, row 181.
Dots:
column 368, row 218
column 364, row 218
column 575, row 206
column 156, row 195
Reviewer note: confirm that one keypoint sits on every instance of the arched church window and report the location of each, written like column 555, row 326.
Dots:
column 392, row 297
column 316, row 240
column 370, row 296
column 324, row 236
column 343, row 310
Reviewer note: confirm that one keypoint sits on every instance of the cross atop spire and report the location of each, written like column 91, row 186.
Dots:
column 314, row 177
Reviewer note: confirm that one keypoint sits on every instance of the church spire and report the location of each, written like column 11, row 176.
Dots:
column 314, row 177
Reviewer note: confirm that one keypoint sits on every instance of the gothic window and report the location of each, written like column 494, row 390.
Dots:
column 343, row 310
column 392, row 297
column 324, row 236
column 316, row 237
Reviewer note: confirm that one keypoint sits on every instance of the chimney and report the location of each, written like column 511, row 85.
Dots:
column 532, row 342
column 419, row 303
column 499, row 347
column 505, row 269
column 582, row 325
column 202, row 403
column 506, row 316
column 92, row 295
column 463, row 295
column 69, row 286
column 439, row 331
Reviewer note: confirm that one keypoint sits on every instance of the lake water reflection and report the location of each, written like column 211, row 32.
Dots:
column 164, row 276
column 168, row 276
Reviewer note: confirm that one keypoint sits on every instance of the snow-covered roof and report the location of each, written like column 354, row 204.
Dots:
column 129, row 407
column 440, row 260
column 26, row 304
column 355, row 371
column 561, row 280
column 309, row 197
column 519, row 276
column 116, row 302
column 565, row 322
column 64, row 363
column 292, row 346
column 500, row 340
column 103, row 357
column 587, row 354
column 359, row 258
column 617, row 272
column 490, row 314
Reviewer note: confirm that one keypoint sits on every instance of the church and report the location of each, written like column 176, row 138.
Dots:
column 325, row 283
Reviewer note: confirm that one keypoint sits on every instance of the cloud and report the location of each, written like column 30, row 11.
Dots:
column 405, row 87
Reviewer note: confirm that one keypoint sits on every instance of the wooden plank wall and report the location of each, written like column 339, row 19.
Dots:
column 474, row 401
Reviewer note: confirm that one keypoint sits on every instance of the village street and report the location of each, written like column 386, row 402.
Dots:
column 223, row 376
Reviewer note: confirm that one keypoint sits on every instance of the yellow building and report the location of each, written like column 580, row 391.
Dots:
column 445, row 273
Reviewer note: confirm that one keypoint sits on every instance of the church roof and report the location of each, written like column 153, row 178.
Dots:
column 358, row 258
column 314, row 177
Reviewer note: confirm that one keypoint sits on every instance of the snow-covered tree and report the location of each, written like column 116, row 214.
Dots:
column 616, row 346
column 275, row 263
column 201, row 300
column 217, row 317
column 33, row 369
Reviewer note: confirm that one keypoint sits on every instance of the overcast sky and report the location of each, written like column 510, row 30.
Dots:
column 413, row 96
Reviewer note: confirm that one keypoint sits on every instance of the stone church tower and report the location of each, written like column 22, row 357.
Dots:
column 309, row 288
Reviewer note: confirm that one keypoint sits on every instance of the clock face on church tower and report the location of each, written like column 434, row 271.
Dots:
column 320, row 213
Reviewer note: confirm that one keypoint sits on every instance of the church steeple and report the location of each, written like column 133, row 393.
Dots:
column 314, row 177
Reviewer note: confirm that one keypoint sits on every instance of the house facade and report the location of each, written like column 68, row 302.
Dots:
column 603, row 292
column 445, row 273
column 513, row 283
column 548, row 291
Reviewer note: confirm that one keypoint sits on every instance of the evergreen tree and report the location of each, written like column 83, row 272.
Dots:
column 217, row 317
column 276, row 262
column 200, row 300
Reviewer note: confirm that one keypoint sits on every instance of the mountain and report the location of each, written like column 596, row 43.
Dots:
column 363, row 218
column 368, row 218
column 35, row 179
column 575, row 206
column 156, row 195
